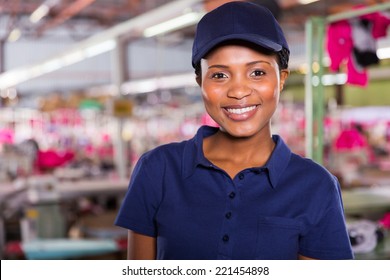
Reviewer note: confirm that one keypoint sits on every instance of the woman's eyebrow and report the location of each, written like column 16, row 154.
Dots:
column 249, row 63
column 259, row 61
column 218, row 66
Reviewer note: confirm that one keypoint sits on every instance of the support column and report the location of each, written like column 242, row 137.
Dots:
column 309, row 90
column 2, row 56
column 314, row 89
column 118, row 72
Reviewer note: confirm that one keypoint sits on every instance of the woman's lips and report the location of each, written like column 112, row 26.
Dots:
column 240, row 113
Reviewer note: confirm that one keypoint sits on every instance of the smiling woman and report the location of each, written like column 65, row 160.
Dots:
column 236, row 191
column 241, row 88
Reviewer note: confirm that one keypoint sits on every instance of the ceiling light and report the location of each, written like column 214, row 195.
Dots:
column 52, row 65
column 94, row 45
column 39, row 13
column 334, row 79
column 160, row 83
column 305, row 2
column 14, row 35
column 42, row 10
column 383, row 53
column 68, row 58
column 100, row 48
column 173, row 24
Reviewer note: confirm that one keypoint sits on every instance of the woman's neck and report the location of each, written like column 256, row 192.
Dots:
column 235, row 154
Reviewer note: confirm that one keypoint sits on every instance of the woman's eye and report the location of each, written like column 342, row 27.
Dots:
column 258, row 73
column 218, row 76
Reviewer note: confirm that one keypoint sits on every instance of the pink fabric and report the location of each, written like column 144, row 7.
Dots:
column 357, row 75
column 51, row 159
column 385, row 221
column 339, row 43
column 6, row 136
column 380, row 23
column 350, row 140
column 339, row 46
column 207, row 120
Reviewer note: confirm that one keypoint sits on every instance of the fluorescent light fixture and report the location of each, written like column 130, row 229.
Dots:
column 334, row 79
column 383, row 53
column 10, row 93
column 73, row 57
column 4, row 93
column 52, row 65
column 99, row 43
column 100, row 48
column 14, row 35
column 42, row 10
column 39, row 13
column 305, row 2
column 141, row 86
column 167, row 82
column 173, row 24
column 14, row 77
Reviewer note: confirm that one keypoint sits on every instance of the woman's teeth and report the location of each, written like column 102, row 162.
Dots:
column 240, row 110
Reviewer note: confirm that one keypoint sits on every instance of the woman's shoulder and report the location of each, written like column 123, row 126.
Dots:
column 311, row 168
column 164, row 151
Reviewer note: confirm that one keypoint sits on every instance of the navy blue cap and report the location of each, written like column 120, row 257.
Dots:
column 237, row 21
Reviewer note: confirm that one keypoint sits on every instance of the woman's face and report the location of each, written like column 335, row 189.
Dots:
column 241, row 88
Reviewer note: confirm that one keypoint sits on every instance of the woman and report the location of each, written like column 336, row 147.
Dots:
column 237, row 191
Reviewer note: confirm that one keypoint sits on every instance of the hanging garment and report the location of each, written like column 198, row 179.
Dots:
column 339, row 43
column 364, row 43
column 380, row 23
column 340, row 47
column 354, row 42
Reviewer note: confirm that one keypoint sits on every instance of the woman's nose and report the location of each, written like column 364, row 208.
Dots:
column 239, row 89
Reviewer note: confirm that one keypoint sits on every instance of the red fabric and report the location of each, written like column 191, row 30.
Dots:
column 13, row 249
column 121, row 243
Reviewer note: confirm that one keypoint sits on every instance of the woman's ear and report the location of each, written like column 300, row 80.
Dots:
column 283, row 77
column 198, row 80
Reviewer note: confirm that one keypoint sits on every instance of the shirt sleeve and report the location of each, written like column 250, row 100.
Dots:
column 328, row 238
column 140, row 204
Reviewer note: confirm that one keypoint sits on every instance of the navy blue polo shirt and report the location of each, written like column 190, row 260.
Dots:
column 289, row 206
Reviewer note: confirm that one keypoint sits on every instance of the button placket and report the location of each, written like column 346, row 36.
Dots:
column 225, row 238
column 229, row 223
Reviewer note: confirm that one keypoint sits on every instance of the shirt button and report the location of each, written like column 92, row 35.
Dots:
column 232, row 195
column 241, row 176
column 225, row 238
column 228, row 215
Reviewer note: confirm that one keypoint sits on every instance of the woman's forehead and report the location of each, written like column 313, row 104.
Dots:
column 234, row 52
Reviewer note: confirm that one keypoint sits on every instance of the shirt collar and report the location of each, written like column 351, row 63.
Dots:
column 279, row 160
column 193, row 150
column 193, row 155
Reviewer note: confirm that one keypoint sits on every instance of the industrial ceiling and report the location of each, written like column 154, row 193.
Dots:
column 68, row 24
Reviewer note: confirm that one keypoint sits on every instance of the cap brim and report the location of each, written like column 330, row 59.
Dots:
column 252, row 38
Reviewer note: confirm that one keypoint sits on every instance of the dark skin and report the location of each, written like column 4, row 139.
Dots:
column 240, row 89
